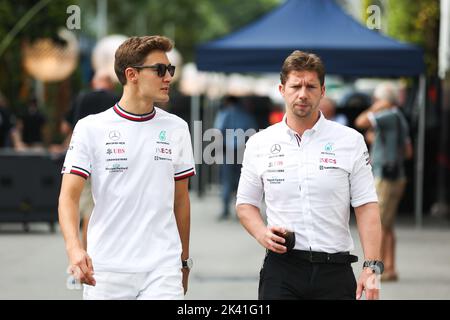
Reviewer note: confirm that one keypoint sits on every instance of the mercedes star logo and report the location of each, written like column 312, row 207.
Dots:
column 114, row 135
column 275, row 148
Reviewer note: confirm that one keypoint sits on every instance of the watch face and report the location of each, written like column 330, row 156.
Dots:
column 380, row 266
column 375, row 265
column 189, row 263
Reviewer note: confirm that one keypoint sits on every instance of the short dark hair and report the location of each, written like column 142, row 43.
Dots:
column 302, row 61
column 229, row 99
column 134, row 51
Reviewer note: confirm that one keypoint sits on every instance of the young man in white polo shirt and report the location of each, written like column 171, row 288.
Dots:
column 138, row 157
column 310, row 171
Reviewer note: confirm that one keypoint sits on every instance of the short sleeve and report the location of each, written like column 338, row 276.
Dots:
column 251, row 188
column 372, row 119
column 78, row 156
column 362, row 187
column 184, row 165
column 381, row 119
column 405, row 129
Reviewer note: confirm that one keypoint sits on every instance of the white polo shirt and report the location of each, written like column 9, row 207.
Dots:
column 133, row 161
column 309, row 182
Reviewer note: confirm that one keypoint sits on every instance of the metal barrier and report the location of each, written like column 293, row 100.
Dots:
column 29, row 187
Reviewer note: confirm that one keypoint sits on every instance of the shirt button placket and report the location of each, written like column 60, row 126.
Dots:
column 309, row 221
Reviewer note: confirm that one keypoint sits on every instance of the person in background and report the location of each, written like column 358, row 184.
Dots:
column 276, row 114
column 391, row 146
column 6, row 124
column 100, row 98
column 328, row 108
column 232, row 117
column 30, row 126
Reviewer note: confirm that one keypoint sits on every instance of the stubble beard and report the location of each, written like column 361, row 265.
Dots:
column 304, row 114
column 301, row 113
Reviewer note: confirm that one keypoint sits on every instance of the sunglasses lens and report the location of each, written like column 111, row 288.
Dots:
column 162, row 69
column 171, row 70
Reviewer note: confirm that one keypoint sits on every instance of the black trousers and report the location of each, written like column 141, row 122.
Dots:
column 287, row 277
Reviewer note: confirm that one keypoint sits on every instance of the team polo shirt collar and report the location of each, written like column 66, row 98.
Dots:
column 134, row 117
column 294, row 135
column 319, row 124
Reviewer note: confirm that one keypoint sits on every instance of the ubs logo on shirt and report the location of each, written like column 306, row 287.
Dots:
column 115, row 151
column 275, row 164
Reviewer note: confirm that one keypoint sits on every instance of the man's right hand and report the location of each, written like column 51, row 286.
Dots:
column 380, row 105
column 81, row 266
column 270, row 240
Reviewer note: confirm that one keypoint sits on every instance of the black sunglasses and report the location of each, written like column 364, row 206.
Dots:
column 161, row 68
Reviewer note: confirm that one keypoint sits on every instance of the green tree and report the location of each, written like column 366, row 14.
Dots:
column 415, row 22
column 44, row 23
column 188, row 22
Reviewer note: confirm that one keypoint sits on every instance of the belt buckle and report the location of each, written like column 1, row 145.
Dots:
column 319, row 258
column 313, row 259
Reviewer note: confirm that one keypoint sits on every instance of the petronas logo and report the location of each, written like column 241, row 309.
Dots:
column 162, row 135
column 329, row 147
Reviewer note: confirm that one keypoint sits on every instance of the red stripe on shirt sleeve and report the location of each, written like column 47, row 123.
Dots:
column 79, row 173
column 184, row 176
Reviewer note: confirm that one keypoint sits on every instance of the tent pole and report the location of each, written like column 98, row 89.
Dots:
column 196, row 141
column 420, row 154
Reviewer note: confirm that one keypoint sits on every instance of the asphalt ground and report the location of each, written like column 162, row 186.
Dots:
column 226, row 259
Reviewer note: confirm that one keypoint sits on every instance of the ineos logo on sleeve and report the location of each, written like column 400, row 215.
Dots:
column 114, row 135
column 276, row 148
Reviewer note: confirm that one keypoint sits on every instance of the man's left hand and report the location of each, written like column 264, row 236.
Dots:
column 185, row 272
column 370, row 283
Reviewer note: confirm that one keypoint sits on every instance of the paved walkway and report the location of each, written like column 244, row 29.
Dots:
column 227, row 260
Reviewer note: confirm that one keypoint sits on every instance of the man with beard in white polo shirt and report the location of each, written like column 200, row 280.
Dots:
column 139, row 158
column 310, row 170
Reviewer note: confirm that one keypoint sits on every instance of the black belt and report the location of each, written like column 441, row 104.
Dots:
column 321, row 257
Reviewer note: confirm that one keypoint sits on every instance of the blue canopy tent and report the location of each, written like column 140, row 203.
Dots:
column 320, row 26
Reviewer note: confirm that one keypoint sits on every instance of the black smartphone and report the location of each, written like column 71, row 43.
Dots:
column 289, row 237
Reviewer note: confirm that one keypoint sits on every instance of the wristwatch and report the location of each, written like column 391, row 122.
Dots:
column 187, row 264
column 377, row 266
